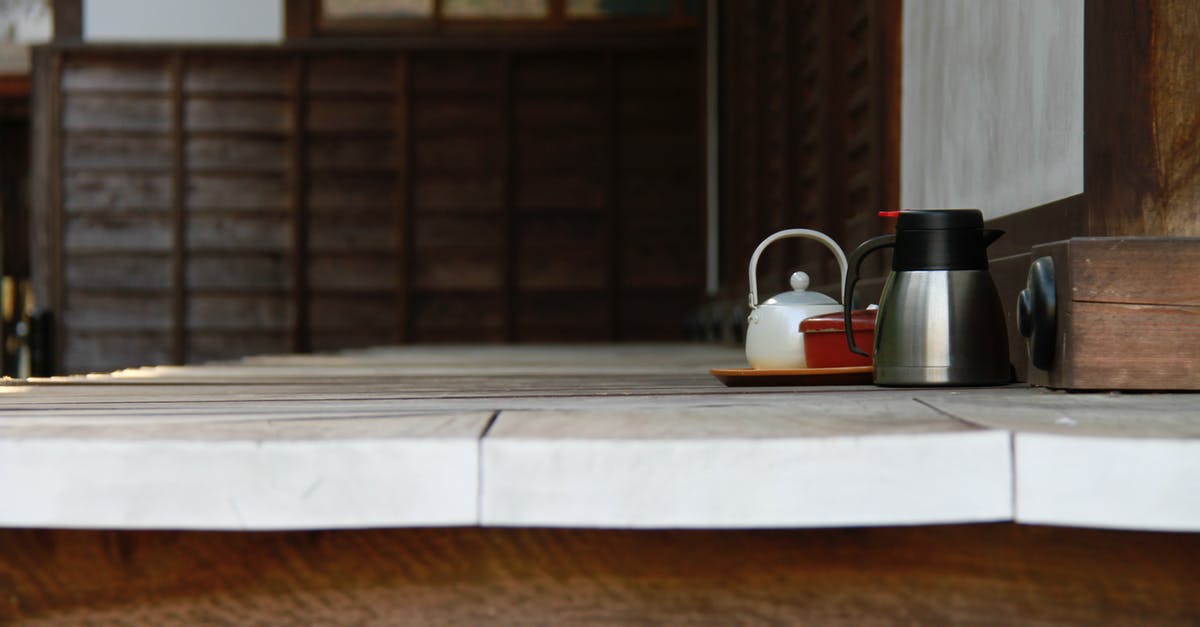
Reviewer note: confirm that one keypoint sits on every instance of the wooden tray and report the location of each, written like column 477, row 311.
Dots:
column 853, row 375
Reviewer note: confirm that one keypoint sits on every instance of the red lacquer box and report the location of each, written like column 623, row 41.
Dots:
column 825, row 339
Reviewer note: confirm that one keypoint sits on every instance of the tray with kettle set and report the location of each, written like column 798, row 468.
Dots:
column 939, row 321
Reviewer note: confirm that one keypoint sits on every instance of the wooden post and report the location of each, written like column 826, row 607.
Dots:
column 612, row 210
column 511, row 174
column 68, row 20
column 298, row 181
column 1141, row 123
column 402, row 144
column 178, row 215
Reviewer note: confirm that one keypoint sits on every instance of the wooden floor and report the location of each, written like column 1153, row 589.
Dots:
column 586, row 484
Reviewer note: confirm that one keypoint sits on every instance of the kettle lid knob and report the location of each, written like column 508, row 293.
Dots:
column 799, row 281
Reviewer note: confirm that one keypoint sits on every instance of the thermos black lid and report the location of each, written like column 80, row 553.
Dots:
column 939, row 219
column 942, row 239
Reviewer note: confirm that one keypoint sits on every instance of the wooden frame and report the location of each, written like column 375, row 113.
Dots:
column 304, row 19
column 930, row 575
column 602, row 308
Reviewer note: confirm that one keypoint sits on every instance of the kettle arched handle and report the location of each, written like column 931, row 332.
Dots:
column 805, row 233
column 856, row 259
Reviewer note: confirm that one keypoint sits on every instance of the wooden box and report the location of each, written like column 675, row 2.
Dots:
column 1128, row 314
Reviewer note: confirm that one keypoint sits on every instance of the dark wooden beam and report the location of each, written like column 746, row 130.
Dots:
column 886, row 67
column 298, row 178
column 1141, row 119
column 612, row 199
column 178, row 215
column 300, row 19
column 68, row 20
column 510, row 296
column 403, row 145
column 1001, row 573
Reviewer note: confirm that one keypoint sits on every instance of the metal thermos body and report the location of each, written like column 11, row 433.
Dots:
column 940, row 320
column 942, row 327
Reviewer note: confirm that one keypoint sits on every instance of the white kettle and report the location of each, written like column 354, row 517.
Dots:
column 773, row 337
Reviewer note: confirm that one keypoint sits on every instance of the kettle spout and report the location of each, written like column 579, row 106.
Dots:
column 990, row 236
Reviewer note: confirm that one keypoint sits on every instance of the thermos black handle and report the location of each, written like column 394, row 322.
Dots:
column 856, row 259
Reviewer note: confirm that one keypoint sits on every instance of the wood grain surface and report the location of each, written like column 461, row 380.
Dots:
column 1141, row 173
column 976, row 574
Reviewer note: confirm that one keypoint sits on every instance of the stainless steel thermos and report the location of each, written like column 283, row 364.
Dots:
column 940, row 321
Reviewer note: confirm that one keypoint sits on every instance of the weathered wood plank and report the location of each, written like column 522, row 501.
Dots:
column 559, row 74
column 833, row 461
column 353, row 313
column 466, row 155
column 562, row 192
column 108, row 113
column 670, row 73
column 118, row 272
column 346, row 73
column 96, row 191
column 670, row 305
column 649, row 114
column 225, row 344
column 658, row 151
column 111, row 152
column 224, row 191
column 230, row 231
column 1135, row 271
column 578, row 152
column 458, row 317
column 334, row 194
column 114, row 233
column 341, row 470
column 1159, row 347
column 236, row 153
column 337, row 115
column 661, row 196
column 456, row 194
column 559, row 112
column 247, row 271
column 929, row 575
column 235, row 75
column 251, row 312
column 661, row 262
column 562, row 316
column 91, row 311
column 436, row 115
column 465, row 73
column 352, row 272
column 125, row 73
column 434, row 232
column 351, row 154
column 106, row 351
column 350, row 338
column 459, row 269
column 1099, row 460
column 362, row 232
column 236, row 114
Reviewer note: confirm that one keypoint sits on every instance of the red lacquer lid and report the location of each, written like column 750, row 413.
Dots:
column 862, row 320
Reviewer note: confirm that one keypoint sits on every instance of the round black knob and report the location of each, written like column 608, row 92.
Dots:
column 1037, row 313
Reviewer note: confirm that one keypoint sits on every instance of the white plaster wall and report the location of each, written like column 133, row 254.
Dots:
column 992, row 105
column 216, row 21
column 21, row 24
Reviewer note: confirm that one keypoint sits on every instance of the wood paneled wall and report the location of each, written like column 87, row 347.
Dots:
column 205, row 204
column 810, row 125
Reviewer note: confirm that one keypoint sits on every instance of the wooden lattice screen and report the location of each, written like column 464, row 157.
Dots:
column 206, row 203
column 810, row 124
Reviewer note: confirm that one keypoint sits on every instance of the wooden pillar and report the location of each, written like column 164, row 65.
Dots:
column 178, row 216
column 1141, row 117
column 298, row 182
column 402, row 144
